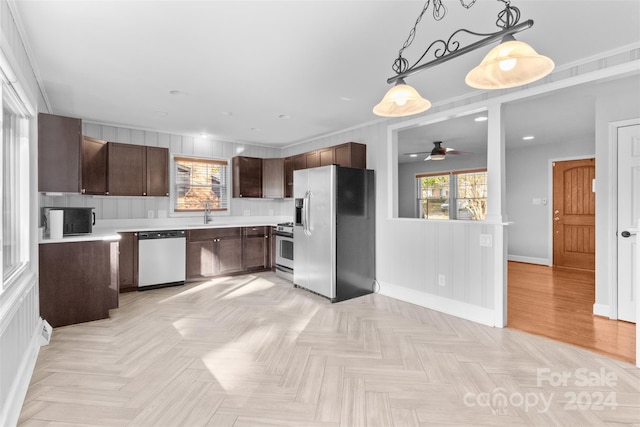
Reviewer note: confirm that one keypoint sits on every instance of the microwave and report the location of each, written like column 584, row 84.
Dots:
column 74, row 220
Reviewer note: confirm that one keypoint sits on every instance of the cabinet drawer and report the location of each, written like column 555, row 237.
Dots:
column 213, row 233
column 256, row 231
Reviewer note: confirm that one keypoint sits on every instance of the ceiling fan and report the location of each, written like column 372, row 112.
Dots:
column 439, row 152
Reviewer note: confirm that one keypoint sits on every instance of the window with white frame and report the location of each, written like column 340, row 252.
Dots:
column 15, row 186
column 452, row 195
column 200, row 181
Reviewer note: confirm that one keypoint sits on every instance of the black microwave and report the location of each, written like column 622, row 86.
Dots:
column 74, row 220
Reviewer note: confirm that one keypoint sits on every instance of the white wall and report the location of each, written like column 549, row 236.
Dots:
column 20, row 322
column 611, row 106
column 528, row 178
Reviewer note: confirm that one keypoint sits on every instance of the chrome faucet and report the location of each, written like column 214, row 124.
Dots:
column 207, row 212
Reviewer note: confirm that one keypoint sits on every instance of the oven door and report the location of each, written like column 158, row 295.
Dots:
column 284, row 255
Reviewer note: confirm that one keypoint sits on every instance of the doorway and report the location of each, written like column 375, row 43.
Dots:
column 574, row 214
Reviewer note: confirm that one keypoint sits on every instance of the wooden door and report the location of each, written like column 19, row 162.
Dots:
column 255, row 250
column 59, row 140
column 94, row 166
column 326, row 156
column 312, row 160
column 574, row 208
column 128, row 262
column 273, row 178
column 228, row 254
column 247, row 176
column 288, row 177
column 157, row 171
column 127, row 168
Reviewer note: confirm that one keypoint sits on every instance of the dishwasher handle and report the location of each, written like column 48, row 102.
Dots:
column 161, row 234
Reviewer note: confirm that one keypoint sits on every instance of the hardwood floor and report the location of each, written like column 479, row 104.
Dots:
column 558, row 303
column 254, row 351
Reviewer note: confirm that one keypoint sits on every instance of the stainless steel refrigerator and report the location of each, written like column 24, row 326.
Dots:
column 334, row 231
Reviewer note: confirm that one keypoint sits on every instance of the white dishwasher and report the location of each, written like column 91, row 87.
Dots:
column 161, row 258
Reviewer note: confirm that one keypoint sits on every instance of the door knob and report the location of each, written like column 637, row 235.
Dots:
column 556, row 219
column 556, row 212
column 626, row 234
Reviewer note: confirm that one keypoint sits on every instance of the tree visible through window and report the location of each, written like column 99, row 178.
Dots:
column 200, row 181
column 454, row 195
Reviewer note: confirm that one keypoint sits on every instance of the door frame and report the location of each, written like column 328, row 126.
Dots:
column 550, row 201
column 612, row 226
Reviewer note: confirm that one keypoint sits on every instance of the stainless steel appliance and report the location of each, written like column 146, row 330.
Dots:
column 74, row 220
column 334, row 231
column 284, row 250
column 161, row 258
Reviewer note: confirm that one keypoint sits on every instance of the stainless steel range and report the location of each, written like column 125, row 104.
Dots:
column 284, row 250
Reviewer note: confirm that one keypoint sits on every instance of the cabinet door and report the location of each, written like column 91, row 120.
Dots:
column 200, row 259
column 351, row 154
column 300, row 162
column 94, row 166
column 228, row 255
column 126, row 169
column 128, row 262
column 157, row 171
column 288, row 177
column 75, row 281
column 256, row 248
column 59, row 140
column 247, row 177
column 326, row 156
column 273, row 178
column 312, row 159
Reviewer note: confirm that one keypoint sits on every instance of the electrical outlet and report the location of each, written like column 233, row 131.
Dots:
column 441, row 280
column 150, row 214
column 486, row 240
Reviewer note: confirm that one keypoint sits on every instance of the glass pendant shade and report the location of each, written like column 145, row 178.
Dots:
column 512, row 63
column 401, row 100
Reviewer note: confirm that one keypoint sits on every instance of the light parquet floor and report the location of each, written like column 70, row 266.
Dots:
column 252, row 350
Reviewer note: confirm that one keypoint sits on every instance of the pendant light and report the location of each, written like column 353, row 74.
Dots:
column 401, row 100
column 512, row 63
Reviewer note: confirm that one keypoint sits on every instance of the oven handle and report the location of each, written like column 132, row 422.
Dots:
column 283, row 234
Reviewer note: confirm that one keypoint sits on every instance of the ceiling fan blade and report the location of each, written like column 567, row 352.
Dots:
column 427, row 158
column 416, row 152
column 457, row 152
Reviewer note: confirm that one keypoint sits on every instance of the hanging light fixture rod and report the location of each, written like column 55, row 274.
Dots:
column 491, row 38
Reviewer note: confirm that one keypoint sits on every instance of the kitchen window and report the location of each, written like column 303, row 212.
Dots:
column 15, row 186
column 453, row 195
column 199, row 181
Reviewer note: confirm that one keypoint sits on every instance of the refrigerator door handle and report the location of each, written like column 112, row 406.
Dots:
column 306, row 213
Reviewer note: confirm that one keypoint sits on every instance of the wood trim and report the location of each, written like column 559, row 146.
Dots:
column 457, row 172
column 201, row 160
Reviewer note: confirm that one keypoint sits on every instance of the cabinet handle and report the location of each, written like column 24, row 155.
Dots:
column 144, row 194
column 83, row 191
column 107, row 193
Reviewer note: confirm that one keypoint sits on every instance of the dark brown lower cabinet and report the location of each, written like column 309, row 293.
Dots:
column 78, row 281
column 255, row 248
column 213, row 252
column 221, row 251
column 128, row 261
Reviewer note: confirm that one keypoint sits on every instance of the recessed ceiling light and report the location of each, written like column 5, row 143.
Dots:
column 345, row 98
column 226, row 113
column 481, row 119
column 177, row 93
column 256, row 129
column 413, row 155
column 284, row 116
column 528, row 137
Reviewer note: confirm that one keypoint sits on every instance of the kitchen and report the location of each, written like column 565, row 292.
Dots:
column 396, row 259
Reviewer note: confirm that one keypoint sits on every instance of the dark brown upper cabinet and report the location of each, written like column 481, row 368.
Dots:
column 273, row 178
column 157, row 171
column 288, row 177
column 247, row 176
column 137, row 170
column 59, row 140
column 94, row 166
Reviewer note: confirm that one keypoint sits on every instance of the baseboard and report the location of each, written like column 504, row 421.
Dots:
column 13, row 405
column 530, row 260
column 601, row 310
column 460, row 309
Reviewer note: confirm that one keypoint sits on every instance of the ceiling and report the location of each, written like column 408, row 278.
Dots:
column 276, row 72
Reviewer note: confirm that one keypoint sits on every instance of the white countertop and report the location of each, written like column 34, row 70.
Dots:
column 108, row 229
